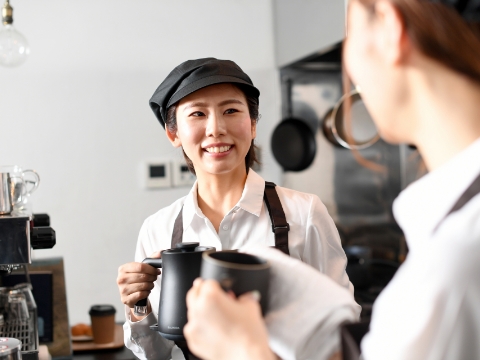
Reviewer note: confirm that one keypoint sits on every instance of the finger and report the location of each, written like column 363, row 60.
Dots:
column 136, row 267
column 192, row 294
column 132, row 299
column 251, row 300
column 149, row 269
column 211, row 286
column 134, row 288
column 134, row 278
column 156, row 255
column 197, row 282
column 210, row 291
column 251, row 296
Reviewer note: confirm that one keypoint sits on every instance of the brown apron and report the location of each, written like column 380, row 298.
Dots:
column 280, row 228
column 352, row 334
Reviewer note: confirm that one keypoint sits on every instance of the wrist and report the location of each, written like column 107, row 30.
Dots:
column 135, row 318
column 260, row 350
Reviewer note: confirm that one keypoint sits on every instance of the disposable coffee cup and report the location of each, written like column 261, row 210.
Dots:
column 103, row 323
column 238, row 272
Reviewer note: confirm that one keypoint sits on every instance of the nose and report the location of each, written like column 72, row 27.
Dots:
column 216, row 125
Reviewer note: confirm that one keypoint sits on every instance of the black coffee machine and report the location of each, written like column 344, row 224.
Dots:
column 19, row 233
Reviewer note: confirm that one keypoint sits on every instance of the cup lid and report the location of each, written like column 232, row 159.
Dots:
column 9, row 346
column 102, row 310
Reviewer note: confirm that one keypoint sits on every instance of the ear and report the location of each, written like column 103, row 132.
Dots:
column 392, row 40
column 254, row 130
column 173, row 138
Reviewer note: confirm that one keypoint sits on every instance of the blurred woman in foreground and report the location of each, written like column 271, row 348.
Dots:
column 417, row 63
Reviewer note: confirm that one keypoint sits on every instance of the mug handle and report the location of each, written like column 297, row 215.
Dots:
column 24, row 192
column 35, row 182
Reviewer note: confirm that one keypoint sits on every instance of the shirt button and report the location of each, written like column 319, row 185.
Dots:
column 225, row 227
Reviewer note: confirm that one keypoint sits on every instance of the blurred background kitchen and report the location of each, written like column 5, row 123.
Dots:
column 77, row 112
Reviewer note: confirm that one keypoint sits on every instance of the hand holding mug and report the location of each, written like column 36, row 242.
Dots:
column 221, row 326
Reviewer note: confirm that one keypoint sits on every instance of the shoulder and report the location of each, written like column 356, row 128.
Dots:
column 306, row 210
column 297, row 200
column 459, row 237
column 444, row 270
column 156, row 231
column 165, row 216
column 450, row 258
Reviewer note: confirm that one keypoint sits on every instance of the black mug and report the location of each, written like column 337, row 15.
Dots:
column 238, row 272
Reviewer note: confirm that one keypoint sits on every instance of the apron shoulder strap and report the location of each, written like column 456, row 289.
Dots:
column 471, row 192
column 280, row 226
column 177, row 234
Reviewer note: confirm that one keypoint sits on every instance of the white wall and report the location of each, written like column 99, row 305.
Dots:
column 77, row 112
column 303, row 27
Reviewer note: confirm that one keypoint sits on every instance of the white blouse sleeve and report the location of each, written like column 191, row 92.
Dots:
column 305, row 308
column 139, row 338
column 144, row 342
column 323, row 248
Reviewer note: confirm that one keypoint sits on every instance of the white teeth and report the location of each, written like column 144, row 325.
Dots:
column 217, row 149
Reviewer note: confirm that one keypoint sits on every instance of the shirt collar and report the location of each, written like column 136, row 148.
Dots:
column 190, row 206
column 423, row 204
column 252, row 195
column 251, row 199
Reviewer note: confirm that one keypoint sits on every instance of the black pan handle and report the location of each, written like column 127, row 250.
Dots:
column 140, row 308
column 289, row 84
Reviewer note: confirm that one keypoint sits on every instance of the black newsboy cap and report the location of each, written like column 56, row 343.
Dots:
column 193, row 75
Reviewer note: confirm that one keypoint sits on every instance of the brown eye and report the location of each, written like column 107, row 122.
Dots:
column 231, row 111
column 197, row 114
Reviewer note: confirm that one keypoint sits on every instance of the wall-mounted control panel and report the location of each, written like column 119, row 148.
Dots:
column 167, row 173
column 181, row 174
column 157, row 174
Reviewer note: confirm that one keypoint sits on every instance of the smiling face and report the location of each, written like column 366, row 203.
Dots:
column 215, row 129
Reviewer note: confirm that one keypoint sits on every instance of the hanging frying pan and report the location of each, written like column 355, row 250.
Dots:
column 363, row 130
column 293, row 141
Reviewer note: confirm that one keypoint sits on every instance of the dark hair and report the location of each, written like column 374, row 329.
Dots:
column 439, row 32
column 252, row 103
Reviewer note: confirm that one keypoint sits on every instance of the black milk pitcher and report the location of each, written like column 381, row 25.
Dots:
column 180, row 267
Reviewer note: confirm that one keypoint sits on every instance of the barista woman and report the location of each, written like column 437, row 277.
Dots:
column 209, row 108
column 417, row 63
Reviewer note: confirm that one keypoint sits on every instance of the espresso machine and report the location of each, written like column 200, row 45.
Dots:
column 20, row 232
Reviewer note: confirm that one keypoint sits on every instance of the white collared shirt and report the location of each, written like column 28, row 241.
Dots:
column 313, row 238
column 431, row 308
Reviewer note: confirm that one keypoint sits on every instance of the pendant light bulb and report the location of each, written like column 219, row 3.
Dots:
column 14, row 48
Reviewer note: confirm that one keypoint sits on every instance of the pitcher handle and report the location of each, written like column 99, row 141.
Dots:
column 35, row 182
column 140, row 308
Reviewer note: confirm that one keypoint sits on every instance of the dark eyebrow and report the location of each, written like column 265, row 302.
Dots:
column 222, row 103
column 230, row 101
column 199, row 104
